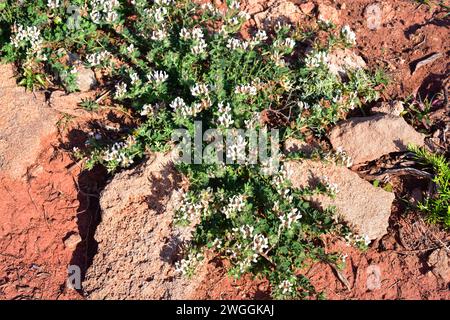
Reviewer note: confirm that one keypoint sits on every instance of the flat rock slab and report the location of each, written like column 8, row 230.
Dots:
column 137, row 243
column 25, row 119
column 369, row 138
column 365, row 207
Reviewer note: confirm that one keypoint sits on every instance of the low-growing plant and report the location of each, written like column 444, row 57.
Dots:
column 437, row 205
column 171, row 63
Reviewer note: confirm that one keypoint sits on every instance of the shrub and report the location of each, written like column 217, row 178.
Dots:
column 171, row 63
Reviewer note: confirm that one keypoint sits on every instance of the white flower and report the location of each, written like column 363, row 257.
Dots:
column 217, row 243
column 159, row 35
column 183, row 266
column 303, row 105
column 348, row 34
column 289, row 43
column 286, row 287
column 200, row 89
column 236, row 149
column 316, row 59
column 244, row 15
column 208, row 6
column 259, row 37
column 235, row 5
column 97, row 58
column 131, row 49
column 148, row 109
column 134, row 77
column 246, row 89
column 185, row 34
column 199, row 47
column 277, row 57
column 104, row 11
column 158, row 14
column 158, row 77
column 236, row 205
column 177, row 103
column 235, row 44
column 270, row 166
column 260, row 243
column 333, row 188
column 197, row 33
column 118, row 153
column 233, row 21
column 163, row 2
column 247, row 231
column 179, row 106
column 225, row 117
column 121, row 90
column 253, row 121
column 29, row 34
column 367, row 240
column 53, row 4
column 288, row 219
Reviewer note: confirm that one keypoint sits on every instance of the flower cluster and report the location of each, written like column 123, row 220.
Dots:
column 254, row 120
column 225, row 118
column 236, row 148
column 200, row 89
column 260, row 243
column 180, row 107
column 190, row 210
column 288, row 219
column 158, row 77
column 331, row 187
column 260, row 36
column 134, row 78
column 187, row 210
column 339, row 157
column 316, row 59
column 246, row 231
column 286, row 287
column 287, row 44
column 357, row 239
column 53, row 4
column 236, row 205
column 121, row 90
column 237, row 44
column 270, row 166
column 150, row 109
column 118, row 153
column 246, row 89
column 187, row 265
column 98, row 58
column 158, row 13
column 104, row 11
column 27, row 35
column 197, row 37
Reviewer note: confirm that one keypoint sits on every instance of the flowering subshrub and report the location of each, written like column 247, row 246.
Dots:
column 173, row 62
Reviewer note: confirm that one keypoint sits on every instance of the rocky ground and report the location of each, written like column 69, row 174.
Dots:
column 119, row 230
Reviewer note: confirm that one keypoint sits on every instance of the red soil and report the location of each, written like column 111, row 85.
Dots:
column 36, row 216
